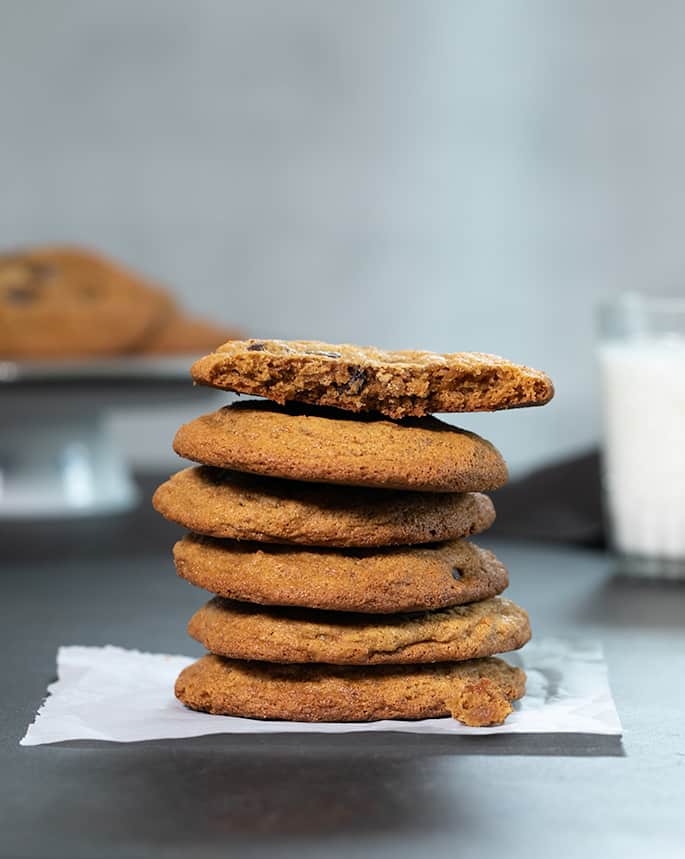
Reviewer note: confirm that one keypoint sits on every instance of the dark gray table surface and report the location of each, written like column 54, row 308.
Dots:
column 112, row 581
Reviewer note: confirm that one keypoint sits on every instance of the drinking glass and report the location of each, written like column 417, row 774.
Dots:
column 642, row 367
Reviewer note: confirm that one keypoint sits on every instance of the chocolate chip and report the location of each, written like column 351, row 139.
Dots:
column 89, row 291
column 21, row 294
column 325, row 354
column 21, row 280
column 256, row 347
column 456, row 573
column 356, row 383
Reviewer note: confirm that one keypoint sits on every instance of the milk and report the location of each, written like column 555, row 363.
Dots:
column 643, row 397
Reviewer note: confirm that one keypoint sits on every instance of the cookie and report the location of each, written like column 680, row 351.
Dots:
column 381, row 581
column 332, row 446
column 244, row 631
column 396, row 384
column 478, row 692
column 187, row 335
column 222, row 503
column 59, row 302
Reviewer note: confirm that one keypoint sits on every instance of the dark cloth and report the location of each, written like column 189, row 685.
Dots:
column 560, row 502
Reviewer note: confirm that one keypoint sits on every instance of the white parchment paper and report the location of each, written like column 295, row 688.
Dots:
column 108, row 693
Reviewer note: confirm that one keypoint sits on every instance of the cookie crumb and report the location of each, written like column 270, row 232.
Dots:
column 479, row 704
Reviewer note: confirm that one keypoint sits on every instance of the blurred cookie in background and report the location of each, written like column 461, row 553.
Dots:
column 64, row 301
column 188, row 335
column 59, row 301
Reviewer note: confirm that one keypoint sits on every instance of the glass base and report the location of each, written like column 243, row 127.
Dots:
column 638, row 566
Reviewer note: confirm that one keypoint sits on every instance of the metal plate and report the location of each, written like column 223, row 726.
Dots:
column 121, row 369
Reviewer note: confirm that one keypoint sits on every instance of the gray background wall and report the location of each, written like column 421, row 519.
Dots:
column 441, row 175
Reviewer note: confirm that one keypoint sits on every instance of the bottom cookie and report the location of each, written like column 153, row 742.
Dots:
column 477, row 692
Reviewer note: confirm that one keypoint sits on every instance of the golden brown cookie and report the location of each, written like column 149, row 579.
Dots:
column 397, row 384
column 239, row 506
column 332, row 446
column 187, row 335
column 381, row 581
column 478, row 692
column 244, row 631
column 61, row 302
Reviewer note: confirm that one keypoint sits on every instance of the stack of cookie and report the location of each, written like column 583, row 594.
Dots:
column 330, row 521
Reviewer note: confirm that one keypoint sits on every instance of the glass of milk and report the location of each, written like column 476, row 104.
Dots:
column 642, row 360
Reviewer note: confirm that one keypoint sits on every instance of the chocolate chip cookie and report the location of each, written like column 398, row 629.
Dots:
column 221, row 503
column 245, row 631
column 381, row 581
column 58, row 302
column 187, row 335
column 332, row 446
column 478, row 692
column 397, row 384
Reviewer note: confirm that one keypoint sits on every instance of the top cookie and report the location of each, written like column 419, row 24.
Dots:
column 65, row 301
column 396, row 384
column 331, row 446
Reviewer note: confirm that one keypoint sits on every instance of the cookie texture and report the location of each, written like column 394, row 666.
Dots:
column 245, row 631
column 397, row 384
column 221, row 503
column 332, row 446
column 62, row 301
column 380, row 581
column 478, row 692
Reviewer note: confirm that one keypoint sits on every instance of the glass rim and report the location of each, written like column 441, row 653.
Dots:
column 635, row 299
